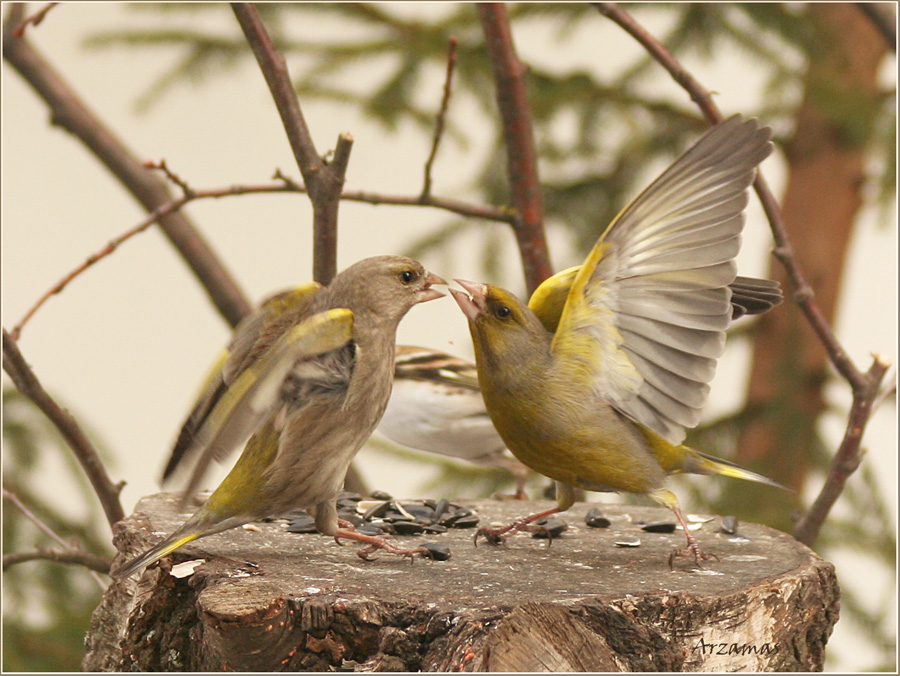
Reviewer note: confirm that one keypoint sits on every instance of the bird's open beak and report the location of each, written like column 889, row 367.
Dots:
column 473, row 303
column 428, row 293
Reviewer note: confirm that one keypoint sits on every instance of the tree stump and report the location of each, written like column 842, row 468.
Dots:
column 268, row 600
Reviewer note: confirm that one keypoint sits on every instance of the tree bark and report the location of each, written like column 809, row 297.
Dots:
column 269, row 600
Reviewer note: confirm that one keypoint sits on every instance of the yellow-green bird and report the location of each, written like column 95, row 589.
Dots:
column 600, row 394
column 308, row 376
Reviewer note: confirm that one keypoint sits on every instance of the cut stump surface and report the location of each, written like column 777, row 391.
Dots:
column 269, row 600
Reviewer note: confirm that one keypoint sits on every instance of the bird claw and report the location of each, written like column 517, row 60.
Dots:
column 365, row 551
column 373, row 544
column 493, row 536
column 693, row 548
column 498, row 536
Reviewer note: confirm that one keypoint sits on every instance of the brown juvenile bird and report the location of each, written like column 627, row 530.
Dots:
column 603, row 403
column 308, row 375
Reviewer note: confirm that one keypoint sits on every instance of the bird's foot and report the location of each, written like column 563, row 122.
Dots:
column 692, row 546
column 692, row 549
column 374, row 544
column 497, row 536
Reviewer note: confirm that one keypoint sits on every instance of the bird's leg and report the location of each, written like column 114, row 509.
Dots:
column 565, row 498
column 496, row 536
column 668, row 499
column 327, row 522
column 373, row 543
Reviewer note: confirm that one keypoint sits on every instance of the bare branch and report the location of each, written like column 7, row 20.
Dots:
column 699, row 94
column 69, row 551
column 99, row 564
column 864, row 386
column 441, row 116
column 323, row 181
column 502, row 215
column 34, row 20
column 186, row 189
column 161, row 212
column 847, row 458
column 286, row 184
column 521, row 168
column 70, row 113
column 23, row 377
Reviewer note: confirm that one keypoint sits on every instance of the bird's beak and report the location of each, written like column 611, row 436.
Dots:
column 428, row 293
column 472, row 304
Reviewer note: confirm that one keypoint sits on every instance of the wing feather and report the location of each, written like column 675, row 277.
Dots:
column 259, row 389
column 654, row 293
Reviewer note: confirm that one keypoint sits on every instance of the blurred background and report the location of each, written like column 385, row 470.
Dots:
column 127, row 344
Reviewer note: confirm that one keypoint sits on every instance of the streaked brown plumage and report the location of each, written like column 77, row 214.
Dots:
column 309, row 409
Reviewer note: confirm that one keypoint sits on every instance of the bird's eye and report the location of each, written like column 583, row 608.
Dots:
column 503, row 312
column 408, row 276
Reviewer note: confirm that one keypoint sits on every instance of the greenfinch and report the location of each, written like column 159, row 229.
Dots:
column 600, row 395
column 436, row 406
column 308, row 377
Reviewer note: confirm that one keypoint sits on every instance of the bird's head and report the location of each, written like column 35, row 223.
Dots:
column 386, row 286
column 503, row 329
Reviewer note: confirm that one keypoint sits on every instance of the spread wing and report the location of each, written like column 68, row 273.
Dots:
column 652, row 301
column 749, row 296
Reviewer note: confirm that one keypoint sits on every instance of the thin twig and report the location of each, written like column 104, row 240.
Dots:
column 69, row 112
column 23, row 377
column 847, row 458
column 699, row 94
column 864, row 386
column 31, row 516
column 518, row 134
column 887, row 391
column 323, row 181
column 161, row 212
column 440, row 119
column 286, row 184
column 34, row 20
column 186, row 189
column 92, row 562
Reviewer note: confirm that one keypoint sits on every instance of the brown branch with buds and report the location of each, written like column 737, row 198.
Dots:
column 34, row 20
column 865, row 386
column 286, row 184
column 323, row 181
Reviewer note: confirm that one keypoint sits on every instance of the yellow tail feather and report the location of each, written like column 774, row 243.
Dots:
column 706, row 464
column 164, row 548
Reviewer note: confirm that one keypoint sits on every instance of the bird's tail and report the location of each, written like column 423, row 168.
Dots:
column 175, row 541
column 696, row 462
